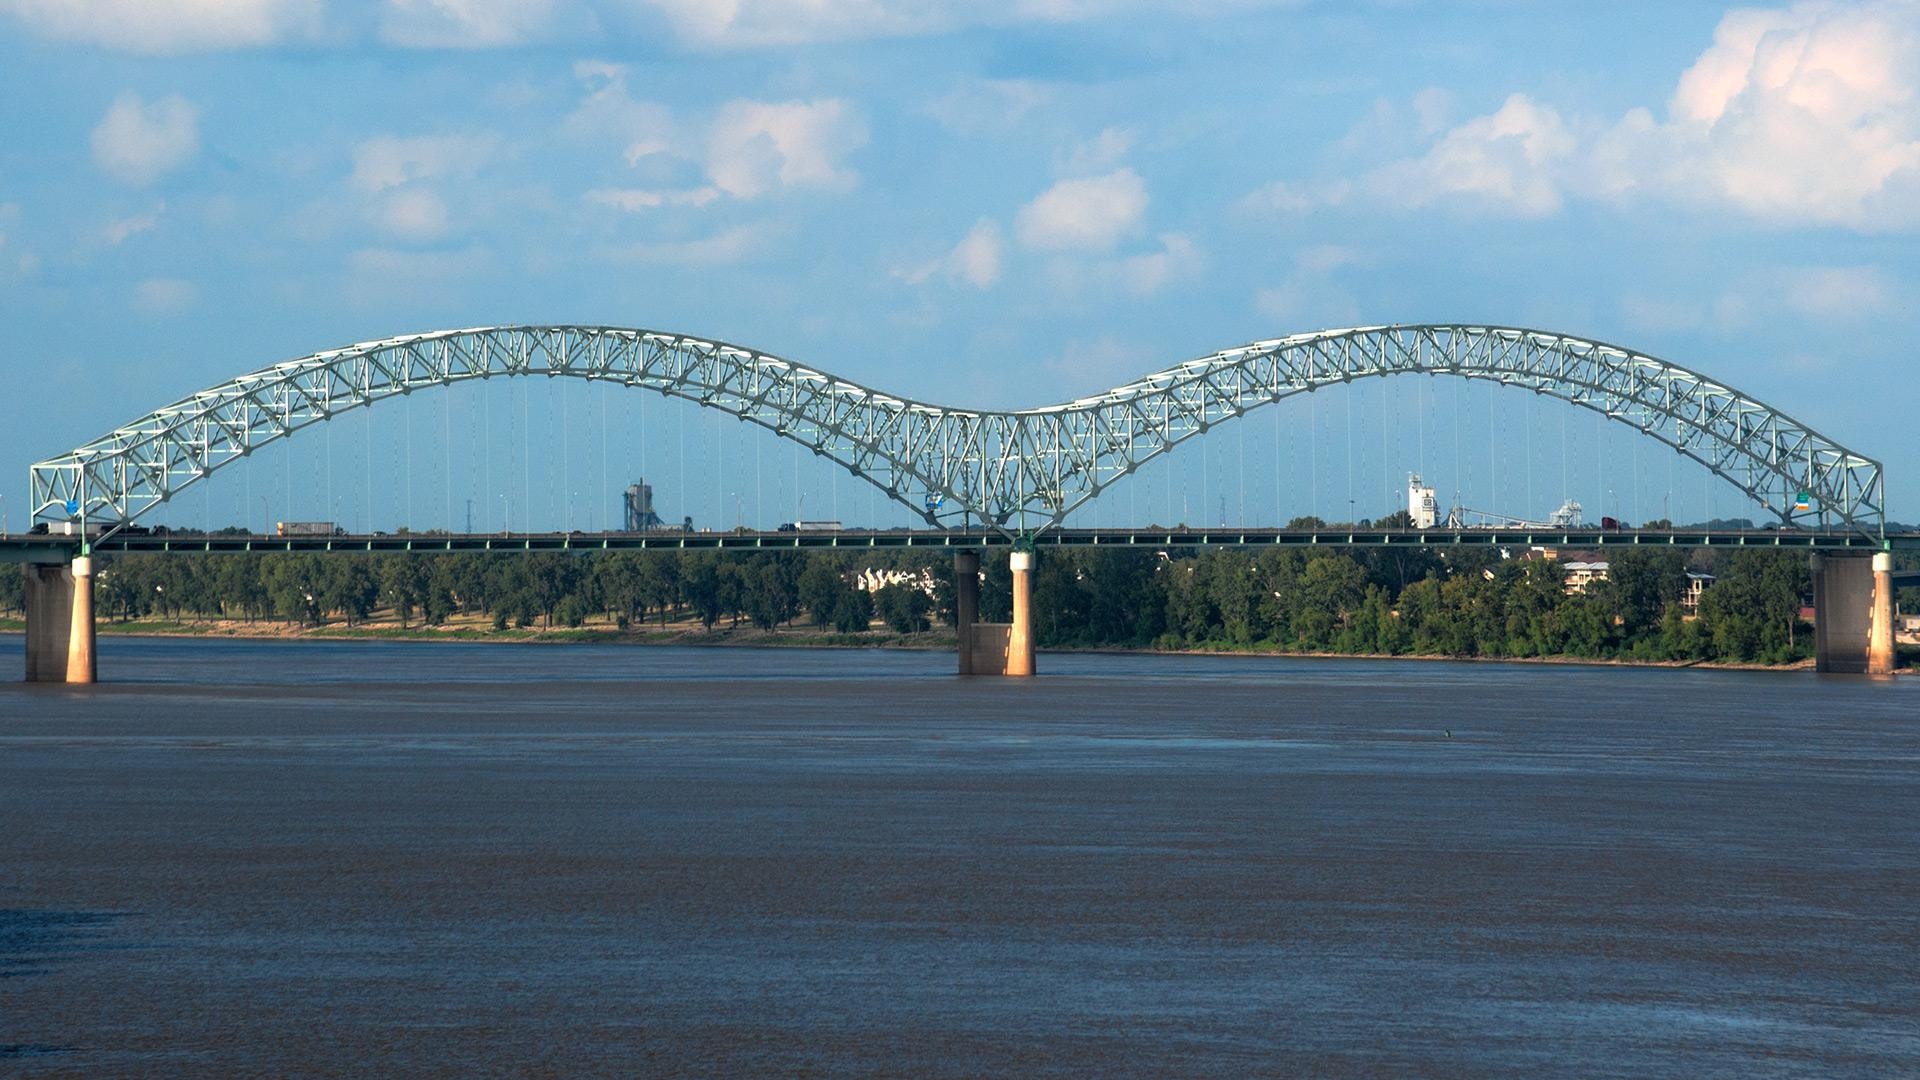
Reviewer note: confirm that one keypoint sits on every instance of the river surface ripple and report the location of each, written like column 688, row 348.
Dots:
column 246, row 857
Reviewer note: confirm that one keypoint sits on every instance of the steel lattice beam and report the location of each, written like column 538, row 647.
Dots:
column 1015, row 470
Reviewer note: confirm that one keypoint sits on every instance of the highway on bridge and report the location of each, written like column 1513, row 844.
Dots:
column 45, row 548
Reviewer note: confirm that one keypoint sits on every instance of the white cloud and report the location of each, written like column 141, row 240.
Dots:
column 389, row 161
column 117, row 232
column 752, row 23
column 25, row 263
column 608, row 112
column 463, row 24
column 748, row 148
column 974, row 260
column 1310, row 298
column 164, row 296
column 1280, row 197
column 1818, row 294
column 137, row 143
column 1512, row 159
column 637, row 199
column 169, row 26
column 1838, row 292
column 1089, row 214
column 402, row 181
column 727, row 246
column 739, row 24
column 989, row 104
column 1803, row 115
column 755, row 146
column 1097, row 154
column 413, row 213
column 1087, row 366
column 381, row 277
column 1177, row 260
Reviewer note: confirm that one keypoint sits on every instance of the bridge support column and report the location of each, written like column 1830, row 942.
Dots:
column 1020, row 634
column 60, row 643
column 1852, row 603
column 966, row 604
column 1880, row 656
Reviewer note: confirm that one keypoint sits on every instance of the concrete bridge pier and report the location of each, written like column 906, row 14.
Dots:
column 60, row 643
column 1020, row 634
column 993, row 648
column 1853, row 613
column 966, row 604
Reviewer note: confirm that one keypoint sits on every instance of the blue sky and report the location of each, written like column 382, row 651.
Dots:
column 995, row 205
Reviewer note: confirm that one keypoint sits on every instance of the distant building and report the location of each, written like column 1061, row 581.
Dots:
column 1421, row 505
column 639, row 508
column 1580, row 573
column 1697, row 582
column 873, row 580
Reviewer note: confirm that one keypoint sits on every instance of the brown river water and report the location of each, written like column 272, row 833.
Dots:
column 343, row 858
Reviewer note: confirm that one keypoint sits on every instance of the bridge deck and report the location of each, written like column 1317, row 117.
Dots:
column 42, row 548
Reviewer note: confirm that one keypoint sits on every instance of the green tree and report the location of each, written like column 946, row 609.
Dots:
column 853, row 612
column 904, row 607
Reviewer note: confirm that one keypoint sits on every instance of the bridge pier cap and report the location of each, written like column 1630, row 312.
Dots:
column 950, row 464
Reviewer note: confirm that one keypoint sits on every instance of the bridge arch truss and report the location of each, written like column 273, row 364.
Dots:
column 1016, row 470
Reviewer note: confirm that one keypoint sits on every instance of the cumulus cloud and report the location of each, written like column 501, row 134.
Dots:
column 1804, row 115
column 389, row 161
column 14, row 262
column 413, row 213
column 463, row 24
column 164, row 296
column 1311, row 297
column 644, row 128
column 725, row 24
column 1097, row 154
column 400, row 179
column 755, row 146
column 974, row 260
column 746, row 149
column 1280, row 197
column 175, row 26
column 137, row 143
column 381, row 277
column 739, row 24
column 118, row 231
column 1099, row 363
column 1512, row 159
column 1838, row 292
column 1177, row 260
column 1817, row 294
column 1089, row 214
column 989, row 104
column 637, row 199
column 727, row 246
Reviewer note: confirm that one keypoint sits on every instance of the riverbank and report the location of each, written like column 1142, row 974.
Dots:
column 807, row 637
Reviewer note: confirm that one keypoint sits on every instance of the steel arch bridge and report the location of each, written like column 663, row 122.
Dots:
column 1015, row 470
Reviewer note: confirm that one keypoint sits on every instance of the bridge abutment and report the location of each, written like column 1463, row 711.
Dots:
column 60, row 634
column 1853, row 614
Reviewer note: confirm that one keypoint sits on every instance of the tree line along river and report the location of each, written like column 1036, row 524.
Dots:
column 1371, row 601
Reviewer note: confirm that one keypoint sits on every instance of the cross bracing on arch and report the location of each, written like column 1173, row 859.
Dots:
column 1017, row 470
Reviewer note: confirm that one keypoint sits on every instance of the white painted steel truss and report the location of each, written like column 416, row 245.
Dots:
column 1015, row 470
